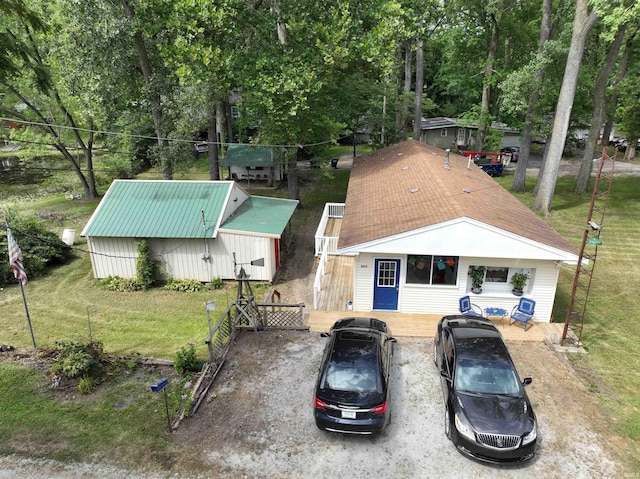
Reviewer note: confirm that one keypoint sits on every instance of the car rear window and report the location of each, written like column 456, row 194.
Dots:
column 357, row 377
column 354, row 365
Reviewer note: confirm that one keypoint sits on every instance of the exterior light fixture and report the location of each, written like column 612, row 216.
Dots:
column 595, row 241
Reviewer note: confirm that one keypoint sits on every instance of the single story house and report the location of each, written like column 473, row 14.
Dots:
column 457, row 134
column 416, row 218
column 257, row 163
column 199, row 230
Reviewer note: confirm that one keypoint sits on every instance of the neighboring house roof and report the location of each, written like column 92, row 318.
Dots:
column 258, row 214
column 175, row 209
column 444, row 122
column 248, row 155
column 410, row 189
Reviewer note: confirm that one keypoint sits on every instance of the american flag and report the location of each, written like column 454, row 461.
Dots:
column 15, row 259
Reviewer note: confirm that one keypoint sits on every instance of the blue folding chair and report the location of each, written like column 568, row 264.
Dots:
column 523, row 312
column 470, row 309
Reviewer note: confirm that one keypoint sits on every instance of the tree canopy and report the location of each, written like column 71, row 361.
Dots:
column 151, row 77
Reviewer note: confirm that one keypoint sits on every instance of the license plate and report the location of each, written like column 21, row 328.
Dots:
column 349, row 414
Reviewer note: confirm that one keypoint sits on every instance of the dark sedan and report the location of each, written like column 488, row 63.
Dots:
column 488, row 415
column 512, row 151
column 352, row 390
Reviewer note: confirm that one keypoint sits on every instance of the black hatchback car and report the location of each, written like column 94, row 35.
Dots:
column 488, row 415
column 352, row 390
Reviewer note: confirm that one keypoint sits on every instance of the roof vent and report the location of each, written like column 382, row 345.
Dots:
column 405, row 167
column 415, row 190
column 447, row 165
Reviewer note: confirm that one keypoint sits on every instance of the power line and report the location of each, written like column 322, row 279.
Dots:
column 155, row 138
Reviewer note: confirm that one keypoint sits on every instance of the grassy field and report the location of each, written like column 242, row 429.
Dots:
column 611, row 334
column 158, row 323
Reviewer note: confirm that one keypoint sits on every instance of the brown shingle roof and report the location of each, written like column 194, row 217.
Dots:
column 407, row 186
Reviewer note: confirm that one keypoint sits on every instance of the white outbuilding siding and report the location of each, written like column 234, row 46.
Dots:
column 197, row 259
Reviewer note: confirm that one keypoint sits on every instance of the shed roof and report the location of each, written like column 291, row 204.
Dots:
column 262, row 215
column 159, row 209
column 411, row 185
column 248, row 155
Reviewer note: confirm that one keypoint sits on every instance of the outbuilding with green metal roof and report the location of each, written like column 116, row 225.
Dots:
column 193, row 228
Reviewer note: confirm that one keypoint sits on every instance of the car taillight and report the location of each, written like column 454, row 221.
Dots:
column 381, row 409
column 319, row 404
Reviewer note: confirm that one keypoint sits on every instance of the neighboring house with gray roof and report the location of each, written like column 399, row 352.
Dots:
column 193, row 229
column 458, row 134
column 416, row 218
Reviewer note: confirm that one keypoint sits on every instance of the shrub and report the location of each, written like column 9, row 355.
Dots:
column 217, row 283
column 186, row 360
column 75, row 359
column 146, row 266
column 186, row 285
column 116, row 283
column 41, row 248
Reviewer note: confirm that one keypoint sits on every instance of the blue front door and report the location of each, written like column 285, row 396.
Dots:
column 385, row 288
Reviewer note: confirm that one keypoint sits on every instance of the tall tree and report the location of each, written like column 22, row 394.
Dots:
column 548, row 29
column 151, row 84
column 584, row 20
column 599, row 94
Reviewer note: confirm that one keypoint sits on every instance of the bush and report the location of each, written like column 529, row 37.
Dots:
column 76, row 359
column 186, row 360
column 146, row 266
column 186, row 285
column 41, row 248
column 116, row 283
column 217, row 283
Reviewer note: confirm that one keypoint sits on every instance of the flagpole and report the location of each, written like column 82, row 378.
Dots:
column 18, row 271
column 26, row 310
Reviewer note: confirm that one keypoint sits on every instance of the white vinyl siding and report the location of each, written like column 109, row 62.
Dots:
column 443, row 299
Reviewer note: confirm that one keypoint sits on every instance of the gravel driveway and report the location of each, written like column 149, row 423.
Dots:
column 258, row 421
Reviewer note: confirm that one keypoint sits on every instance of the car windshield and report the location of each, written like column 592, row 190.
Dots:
column 486, row 377
column 352, row 378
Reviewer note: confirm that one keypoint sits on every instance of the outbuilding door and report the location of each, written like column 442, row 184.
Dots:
column 386, row 285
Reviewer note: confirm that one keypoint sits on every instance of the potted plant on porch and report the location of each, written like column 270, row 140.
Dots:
column 519, row 280
column 476, row 273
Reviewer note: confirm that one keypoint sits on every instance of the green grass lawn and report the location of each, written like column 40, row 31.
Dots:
column 158, row 323
column 611, row 333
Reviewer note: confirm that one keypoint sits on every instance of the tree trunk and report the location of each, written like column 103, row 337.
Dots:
column 88, row 186
column 292, row 177
column 520, row 175
column 145, row 67
column 599, row 106
column 402, row 112
column 582, row 24
column 417, row 105
column 485, row 120
column 212, row 138
column 612, row 104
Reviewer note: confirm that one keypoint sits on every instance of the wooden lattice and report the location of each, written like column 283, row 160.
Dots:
column 277, row 315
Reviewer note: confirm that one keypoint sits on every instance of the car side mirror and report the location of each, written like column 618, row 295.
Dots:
column 445, row 375
column 325, row 335
column 527, row 381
